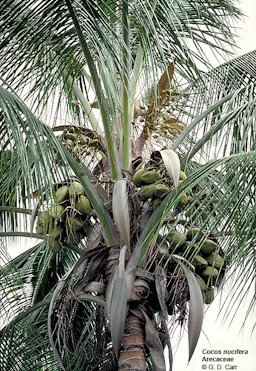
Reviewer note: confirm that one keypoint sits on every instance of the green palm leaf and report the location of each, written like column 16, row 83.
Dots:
column 225, row 111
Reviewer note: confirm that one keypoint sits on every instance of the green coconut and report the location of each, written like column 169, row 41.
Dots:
column 62, row 194
column 215, row 200
column 191, row 249
column 54, row 245
column 156, row 203
column 210, row 272
column 55, row 230
column 41, row 229
column 176, row 239
column 44, row 223
column 208, row 296
column 161, row 190
column 150, row 177
column 184, row 199
column 216, row 260
column 147, row 192
column 44, row 218
column 74, row 223
column 208, row 247
column 189, row 212
column 205, row 214
column 183, row 176
column 71, row 136
column 137, row 177
column 93, row 143
column 199, row 262
column 56, row 211
column 76, row 189
column 83, row 205
column 194, row 233
column 201, row 283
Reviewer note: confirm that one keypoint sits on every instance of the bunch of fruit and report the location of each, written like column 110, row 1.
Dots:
column 194, row 245
column 151, row 186
column 67, row 218
column 155, row 185
column 202, row 252
column 81, row 142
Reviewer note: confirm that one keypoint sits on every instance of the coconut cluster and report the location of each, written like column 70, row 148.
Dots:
column 156, row 184
column 81, row 142
column 194, row 245
column 152, row 186
column 202, row 252
column 67, row 218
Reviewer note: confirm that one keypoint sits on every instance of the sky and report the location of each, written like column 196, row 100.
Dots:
column 247, row 32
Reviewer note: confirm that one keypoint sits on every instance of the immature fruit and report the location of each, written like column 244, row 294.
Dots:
column 190, row 212
column 199, row 262
column 205, row 214
column 44, row 217
column 184, row 200
column 215, row 260
column 201, row 283
column 210, row 272
column 74, row 223
column 93, row 143
column 176, row 239
column 55, row 231
column 44, row 223
column 150, row 177
column 215, row 200
column 76, row 189
column 83, row 205
column 147, row 192
column 191, row 249
column 56, row 211
column 71, row 136
column 208, row 247
column 183, row 176
column 41, row 229
column 156, row 203
column 161, row 190
column 54, row 245
column 137, row 177
column 208, row 296
column 194, row 233
column 62, row 194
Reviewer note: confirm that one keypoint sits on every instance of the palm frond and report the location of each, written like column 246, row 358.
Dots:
column 45, row 37
column 221, row 107
column 32, row 329
column 31, row 148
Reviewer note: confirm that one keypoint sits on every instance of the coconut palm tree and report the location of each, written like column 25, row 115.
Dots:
column 130, row 164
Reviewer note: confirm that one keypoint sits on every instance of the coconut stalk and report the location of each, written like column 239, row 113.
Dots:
column 125, row 141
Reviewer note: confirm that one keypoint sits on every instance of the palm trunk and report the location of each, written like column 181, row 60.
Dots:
column 132, row 355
